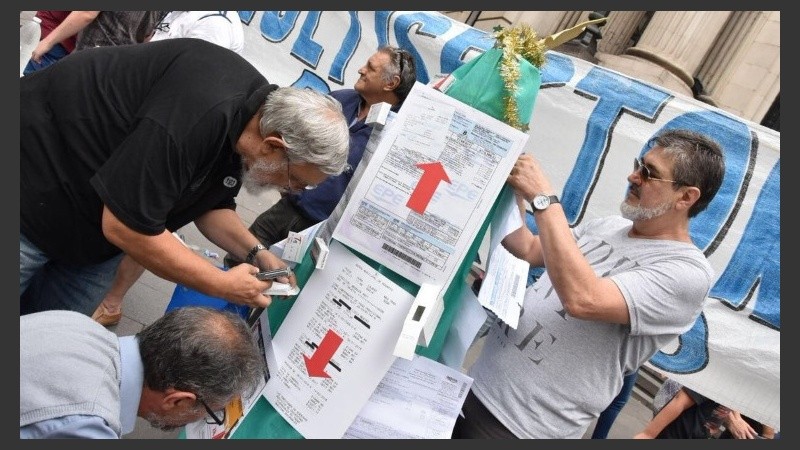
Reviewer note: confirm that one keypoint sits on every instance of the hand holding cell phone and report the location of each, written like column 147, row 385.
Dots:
column 273, row 274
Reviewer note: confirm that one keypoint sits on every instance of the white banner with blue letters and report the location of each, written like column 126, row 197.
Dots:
column 588, row 124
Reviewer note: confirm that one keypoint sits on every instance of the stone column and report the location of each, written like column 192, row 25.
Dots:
column 734, row 40
column 742, row 71
column 671, row 49
column 618, row 30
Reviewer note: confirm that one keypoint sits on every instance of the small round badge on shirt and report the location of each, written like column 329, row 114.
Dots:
column 229, row 181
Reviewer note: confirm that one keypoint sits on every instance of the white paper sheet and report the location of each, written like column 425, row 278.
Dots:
column 503, row 287
column 417, row 399
column 475, row 153
column 326, row 231
column 468, row 320
column 343, row 325
column 307, row 238
column 278, row 288
column 506, row 219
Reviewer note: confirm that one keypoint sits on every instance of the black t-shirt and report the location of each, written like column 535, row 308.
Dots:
column 149, row 130
column 691, row 423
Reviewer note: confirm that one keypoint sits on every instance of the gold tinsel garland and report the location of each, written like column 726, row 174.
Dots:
column 516, row 42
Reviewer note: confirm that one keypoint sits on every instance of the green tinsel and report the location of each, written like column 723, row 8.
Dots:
column 516, row 42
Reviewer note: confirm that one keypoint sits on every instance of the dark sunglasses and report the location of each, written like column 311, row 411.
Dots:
column 644, row 171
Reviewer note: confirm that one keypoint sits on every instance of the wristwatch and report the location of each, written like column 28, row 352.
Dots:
column 251, row 255
column 540, row 202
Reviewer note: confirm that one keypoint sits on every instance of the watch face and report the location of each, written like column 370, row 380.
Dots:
column 541, row 201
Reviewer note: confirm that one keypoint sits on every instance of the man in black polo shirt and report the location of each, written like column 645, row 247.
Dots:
column 120, row 146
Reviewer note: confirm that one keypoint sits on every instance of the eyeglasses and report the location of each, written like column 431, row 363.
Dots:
column 644, row 171
column 293, row 181
column 215, row 416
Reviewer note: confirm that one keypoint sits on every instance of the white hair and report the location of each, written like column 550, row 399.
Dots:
column 311, row 124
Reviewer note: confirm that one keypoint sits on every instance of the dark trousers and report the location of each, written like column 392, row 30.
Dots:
column 56, row 53
column 609, row 415
column 479, row 423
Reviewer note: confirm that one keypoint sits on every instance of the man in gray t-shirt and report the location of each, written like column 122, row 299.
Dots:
column 615, row 291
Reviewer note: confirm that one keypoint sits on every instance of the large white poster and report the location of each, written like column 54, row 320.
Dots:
column 334, row 346
column 588, row 124
column 426, row 191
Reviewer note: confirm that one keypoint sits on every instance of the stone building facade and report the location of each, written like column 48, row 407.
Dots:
column 730, row 59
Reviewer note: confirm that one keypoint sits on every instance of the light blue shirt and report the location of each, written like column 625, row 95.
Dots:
column 131, row 383
column 83, row 426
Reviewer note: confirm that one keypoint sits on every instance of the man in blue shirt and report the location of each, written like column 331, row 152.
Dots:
column 79, row 380
column 388, row 76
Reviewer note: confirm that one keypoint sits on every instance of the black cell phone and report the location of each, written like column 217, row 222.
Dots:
column 274, row 274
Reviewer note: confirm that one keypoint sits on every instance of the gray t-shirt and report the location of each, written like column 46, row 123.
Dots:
column 554, row 374
column 118, row 28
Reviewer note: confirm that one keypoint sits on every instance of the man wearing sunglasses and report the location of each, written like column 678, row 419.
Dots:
column 79, row 380
column 388, row 76
column 121, row 146
column 614, row 292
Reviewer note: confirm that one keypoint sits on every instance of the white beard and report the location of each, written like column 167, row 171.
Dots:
column 176, row 420
column 635, row 213
column 254, row 179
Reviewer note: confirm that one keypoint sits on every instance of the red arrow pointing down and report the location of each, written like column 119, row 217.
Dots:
column 432, row 174
column 315, row 365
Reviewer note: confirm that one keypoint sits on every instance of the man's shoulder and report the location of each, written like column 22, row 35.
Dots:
column 55, row 316
column 339, row 94
column 190, row 48
column 213, row 57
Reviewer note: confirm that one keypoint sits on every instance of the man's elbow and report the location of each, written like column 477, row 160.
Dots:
column 579, row 306
column 113, row 230
column 575, row 309
column 113, row 236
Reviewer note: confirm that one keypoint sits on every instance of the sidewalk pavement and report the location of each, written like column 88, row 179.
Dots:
column 148, row 298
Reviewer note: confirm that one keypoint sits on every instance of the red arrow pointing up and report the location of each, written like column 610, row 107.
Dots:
column 315, row 365
column 432, row 174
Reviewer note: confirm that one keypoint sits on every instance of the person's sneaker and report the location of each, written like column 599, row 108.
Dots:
column 103, row 317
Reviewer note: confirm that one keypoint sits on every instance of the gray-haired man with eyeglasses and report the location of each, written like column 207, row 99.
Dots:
column 79, row 380
column 614, row 292
column 387, row 76
column 121, row 146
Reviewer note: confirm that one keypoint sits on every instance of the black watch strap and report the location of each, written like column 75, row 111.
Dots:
column 551, row 199
column 251, row 255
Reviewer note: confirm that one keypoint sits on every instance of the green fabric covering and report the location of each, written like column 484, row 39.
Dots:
column 479, row 84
